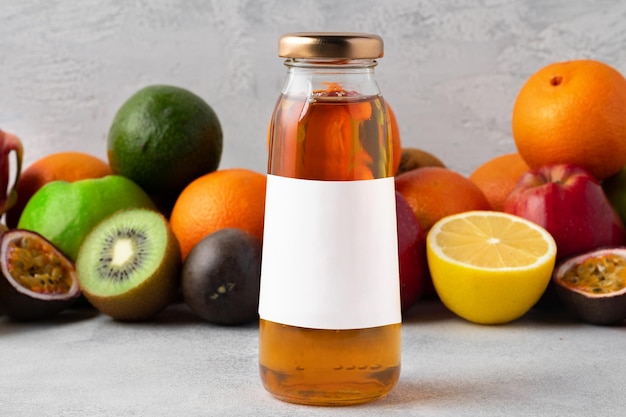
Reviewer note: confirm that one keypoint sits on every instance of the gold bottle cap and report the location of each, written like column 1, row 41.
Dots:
column 338, row 45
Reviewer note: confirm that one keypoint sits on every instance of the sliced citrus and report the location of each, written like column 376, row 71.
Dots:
column 489, row 267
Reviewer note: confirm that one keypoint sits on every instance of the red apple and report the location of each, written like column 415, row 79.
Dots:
column 570, row 204
column 411, row 254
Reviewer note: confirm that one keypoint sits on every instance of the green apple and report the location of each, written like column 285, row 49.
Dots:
column 64, row 212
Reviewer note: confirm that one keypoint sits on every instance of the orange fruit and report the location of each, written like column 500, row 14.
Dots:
column 415, row 158
column 221, row 199
column 66, row 166
column 436, row 192
column 396, row 142
column 573, row 112
column 497, row 177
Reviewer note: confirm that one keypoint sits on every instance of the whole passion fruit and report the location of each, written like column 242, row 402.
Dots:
column 593, row 285
column 37, row 280
column 221, row 277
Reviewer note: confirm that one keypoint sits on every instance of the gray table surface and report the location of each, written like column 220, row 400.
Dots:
column 85, row 364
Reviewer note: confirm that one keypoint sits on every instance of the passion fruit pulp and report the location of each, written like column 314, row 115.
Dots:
column 37, row 280
column 593, row 285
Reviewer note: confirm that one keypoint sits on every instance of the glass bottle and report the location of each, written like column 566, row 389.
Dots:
column 330, row 321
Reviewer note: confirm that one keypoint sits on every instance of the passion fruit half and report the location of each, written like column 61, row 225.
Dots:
column 593, row 285
column 37, row 280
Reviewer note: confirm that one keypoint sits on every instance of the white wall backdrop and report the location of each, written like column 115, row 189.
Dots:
column 451, row 70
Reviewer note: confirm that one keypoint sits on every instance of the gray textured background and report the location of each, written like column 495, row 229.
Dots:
column 451, row 70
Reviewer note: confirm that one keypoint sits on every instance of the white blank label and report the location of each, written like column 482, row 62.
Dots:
column 330, row 254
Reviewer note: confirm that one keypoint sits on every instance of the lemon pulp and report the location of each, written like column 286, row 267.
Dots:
column 489, row 267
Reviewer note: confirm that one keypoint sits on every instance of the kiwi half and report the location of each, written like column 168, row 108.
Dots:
column 129, row 265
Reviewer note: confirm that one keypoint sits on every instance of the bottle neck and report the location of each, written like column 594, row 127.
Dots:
column 331, row 63
column 308, row 76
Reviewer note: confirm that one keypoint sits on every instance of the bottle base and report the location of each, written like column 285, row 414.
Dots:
column 358, row 386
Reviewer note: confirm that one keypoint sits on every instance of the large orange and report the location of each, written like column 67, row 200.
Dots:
column 396, row 142
column 436, row 192
column 497, row 177
column 66, row 166
column 225, row 198
column 573, row 112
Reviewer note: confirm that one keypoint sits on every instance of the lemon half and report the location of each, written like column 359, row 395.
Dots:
column 489, row 267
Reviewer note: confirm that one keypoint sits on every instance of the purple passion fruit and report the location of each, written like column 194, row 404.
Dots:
column 221, row 277
column 593, row 285
column 37, row 281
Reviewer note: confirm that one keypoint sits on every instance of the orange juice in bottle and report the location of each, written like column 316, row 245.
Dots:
column 330, row 322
